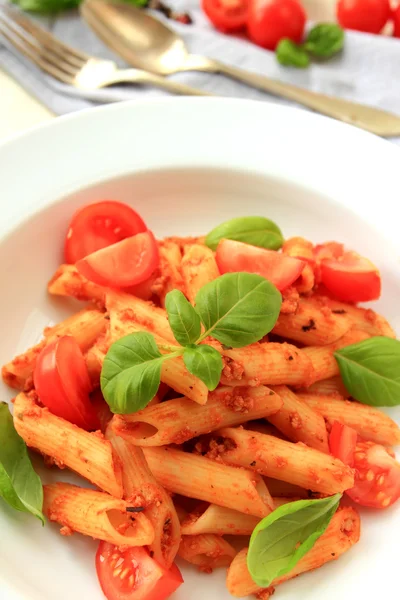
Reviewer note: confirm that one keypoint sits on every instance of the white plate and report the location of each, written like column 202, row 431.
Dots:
column 186, row 165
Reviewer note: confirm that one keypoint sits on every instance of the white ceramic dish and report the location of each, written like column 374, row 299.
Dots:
column 186, row 165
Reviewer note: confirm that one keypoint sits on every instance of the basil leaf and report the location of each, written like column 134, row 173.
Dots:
column 280, row 540
column 257, row 231
column 238, row 309
column 290, row 54
column 20, row 486
column 325, row 40
column 183, row 319
column 205, row 363
column 370, row 370
column 131, row 373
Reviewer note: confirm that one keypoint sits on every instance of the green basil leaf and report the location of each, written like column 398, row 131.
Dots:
column 205, row 363
column 290, row 54
column 131, row 373
column 238, row 309
column 370, row 370
column 20, row 486
column 183, row 319
column 257, row 231
column 325, row 40
column 280, row 540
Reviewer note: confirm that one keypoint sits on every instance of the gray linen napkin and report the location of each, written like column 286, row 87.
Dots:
column 366, row 72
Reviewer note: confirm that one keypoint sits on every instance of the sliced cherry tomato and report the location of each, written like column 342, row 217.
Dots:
column 98, row 225
column 271, row 20
column 396, row 22
column 363, row 15
column 144, row 290
column 126, row 263
column 279, row 269
column 134, row 575
column 342, row 442
column 226, row 15
column 328, row 250
column 62, row 382
column 351, row 278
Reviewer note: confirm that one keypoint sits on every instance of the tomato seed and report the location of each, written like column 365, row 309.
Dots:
column 380, row 480
column 124, row 573
column 117, row 572
column 131, row 580
column 359, row 456
column 370, row 475
column 386, row 502
column 381, row 497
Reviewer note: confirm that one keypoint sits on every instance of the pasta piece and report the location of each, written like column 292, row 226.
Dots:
column 322, row 359
column 206, row 551
column 299, row 247
column 342, row 533
column 265, row 428
column 268, row 364
column 298, row 421
column 170, row 262
column 89, row 454
column 85, row 326
column 311, row 325
column 182, row 242
column 198, row 267
column 369, row 422
column 283, row 489
column 141, row 486
column 179, row 420
column 306, row 281
column 198, row 477
column 96, row 514
column 219, row 520
column 67, row 281
column 332, row 385
column 295, row 463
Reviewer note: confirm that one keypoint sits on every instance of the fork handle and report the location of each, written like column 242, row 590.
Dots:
column 143, row 77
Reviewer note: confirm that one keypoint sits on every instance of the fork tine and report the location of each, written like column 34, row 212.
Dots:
column 75, row 57
column 31, row 52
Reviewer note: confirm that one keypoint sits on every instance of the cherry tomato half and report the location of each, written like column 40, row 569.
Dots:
column 124, row 264
column 363, row 15
column 342, row 442
column 351, row 278
column 133, row 574
column 226, row 15
column 396, row 22
column 98, row 225
column 271, row 20
column 62, row 382
column 279, row 269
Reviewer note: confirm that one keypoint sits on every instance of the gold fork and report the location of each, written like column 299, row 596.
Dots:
column 77, row 69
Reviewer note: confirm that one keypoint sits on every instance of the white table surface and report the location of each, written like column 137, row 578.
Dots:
column 19, row 111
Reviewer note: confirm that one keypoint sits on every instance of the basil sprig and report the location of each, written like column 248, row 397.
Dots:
column 290, row 54
column 237, row 309
column 280, row 540
column 257, row 231
column 370, row 370
column 323, row 41
column 20, row 486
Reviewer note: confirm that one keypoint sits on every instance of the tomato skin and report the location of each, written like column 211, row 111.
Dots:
column 62, row 382
column 363, row 15
column 271, row 20
column 124, row 264
column 351, row 278
column 226, row 15
column 396, row 22
column 279, row 269
column 98, row 225
column 342, row 442
column 133, row 574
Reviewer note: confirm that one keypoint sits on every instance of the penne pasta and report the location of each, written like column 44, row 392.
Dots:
column 311, row 325
column 170, row 262
column 298, row 421
column 332, row 385
column 179, row 420
column 342, row 533
column 206, row 551
column 88, row 454
column 369, row 422
column 283, row 489
column 67, row 281
column 267, row 364
column 85, row 326
column 141, row 486
column 294, row 463
column 198, row 477
column 198, row 267
column 96, row 514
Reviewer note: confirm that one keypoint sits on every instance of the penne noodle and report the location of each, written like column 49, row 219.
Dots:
column 67, row 281
column 267, row 364
column 298, row 421
column 182, row 242
column 206, row 551
column 265, row 428
column 88, row 454
column 170, row 262
column 322, row 359
column 369, row 422
column 85, row 326
column 294, row 463
column 198, row 267
column 332, row 385
column 311, row 325
column 201, row 478
column 283, row 489
column 342, row 533
column 96, row 514
column 290, row 300
column 306, row 281
column 179, row 420
column 141, row 486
